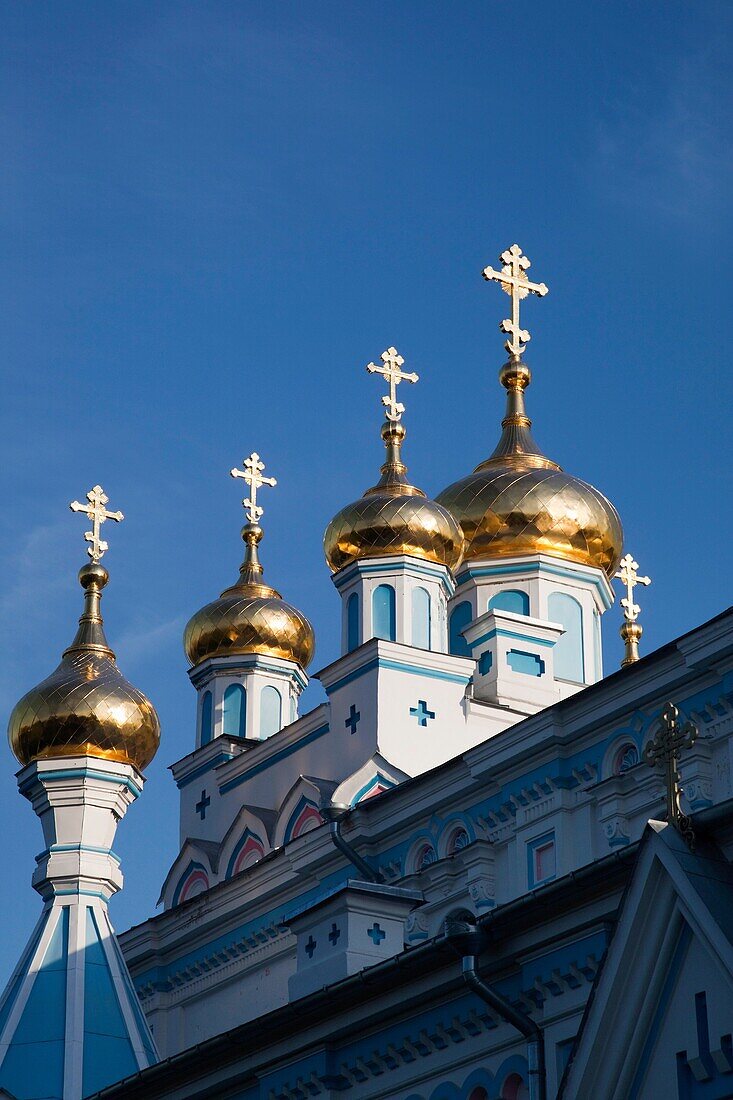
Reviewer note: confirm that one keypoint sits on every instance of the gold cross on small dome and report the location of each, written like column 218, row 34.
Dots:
column 95, row 510
column 393, row 373
column 252, row 474
column 515, row 283
column 628, row 574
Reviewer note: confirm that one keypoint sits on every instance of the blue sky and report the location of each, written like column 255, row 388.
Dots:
column 213, row 215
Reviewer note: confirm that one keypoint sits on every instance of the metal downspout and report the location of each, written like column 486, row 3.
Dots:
column 467, row 941
column 333, row 812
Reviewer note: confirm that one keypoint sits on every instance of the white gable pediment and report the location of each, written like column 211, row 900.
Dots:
column 661, row 1015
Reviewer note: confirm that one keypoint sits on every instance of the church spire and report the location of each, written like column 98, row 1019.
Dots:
column 70, row 1023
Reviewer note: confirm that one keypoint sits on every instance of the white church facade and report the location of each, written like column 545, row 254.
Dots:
column 469, row 874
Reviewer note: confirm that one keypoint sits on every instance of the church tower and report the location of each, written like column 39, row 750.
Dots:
column 393, row 552
column 541, row 545
column 70, row 1022
column 249, row 648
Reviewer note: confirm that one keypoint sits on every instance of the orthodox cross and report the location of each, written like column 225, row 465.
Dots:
column 252, row 474
column 95, row 510
column 628, row 574
column 515, row 283
column 669, row 741
column 393, row 373
column 631, row 631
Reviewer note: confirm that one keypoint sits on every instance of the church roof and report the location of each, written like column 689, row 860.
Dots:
column 70, row 1022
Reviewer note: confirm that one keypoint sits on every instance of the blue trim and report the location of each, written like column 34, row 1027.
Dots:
column 526, row 664
column 439, row 573
column 375, row 781
column 252, row 662
column 472, row 572
column 238, row 848
column 86, row 773
column 302, row 804
column 78, row 848
column 500, row 632
column 80, row 893
column 398, row 666
column 191, row 866
column 275, row 758
column 203, row 769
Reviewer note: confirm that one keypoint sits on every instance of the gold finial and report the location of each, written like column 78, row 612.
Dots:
column 95, row 511
column 631, row 631
column 669, row 741
column 252, row 474
column 517, row 286
column 393, row 373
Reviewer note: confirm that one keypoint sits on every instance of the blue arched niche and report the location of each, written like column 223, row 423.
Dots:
column 421, row 618
column 511, row 599
column 568, row 653
column 352, row 622
column 270, row 711
column 206, row 718
column 383, row 612
column 235, row 711
column 460, row 617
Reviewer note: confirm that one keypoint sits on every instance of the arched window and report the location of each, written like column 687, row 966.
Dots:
column 458, row 839
column 206, row 716
column 626, row 757
column 460, row 617
column 352, row 622
column 568, row 651
column 383, row 612
column 421, row 618
column 514, row 1088
column 511, row 599
column 235, row 716
column 270, row 711
column 425, row 855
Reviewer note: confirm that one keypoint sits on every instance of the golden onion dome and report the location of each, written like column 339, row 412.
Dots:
column 393, row 518
column 520, row 502
column 86, row 707
column 249, row 617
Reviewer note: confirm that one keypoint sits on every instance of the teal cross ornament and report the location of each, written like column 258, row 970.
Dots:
column 421, row 712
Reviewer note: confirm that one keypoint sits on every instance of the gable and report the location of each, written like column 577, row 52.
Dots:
column 685, row 1033
column 660, row 1019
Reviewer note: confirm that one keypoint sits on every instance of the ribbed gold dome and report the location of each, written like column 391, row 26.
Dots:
column 86, row 707
column 519, row 502
column 249, row 617
column 392, row 518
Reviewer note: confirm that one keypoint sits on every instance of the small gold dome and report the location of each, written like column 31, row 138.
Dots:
column 519, row 502
column 86, row 707
column 393, row 518
column 249, row 617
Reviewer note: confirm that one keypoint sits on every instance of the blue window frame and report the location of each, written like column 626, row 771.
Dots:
column 206, row 718
column 421, row 618
column 352, row 622
column 569, row 658
column 383, row 613
column 541, row 859
column 270, row 711
column 235, row 711
column 460, row 617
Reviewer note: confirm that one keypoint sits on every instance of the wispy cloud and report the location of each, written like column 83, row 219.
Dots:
column 670, row 154
column 140, row 643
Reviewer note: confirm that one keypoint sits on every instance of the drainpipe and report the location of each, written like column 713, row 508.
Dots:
column 333, row 813
column 467, row 941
